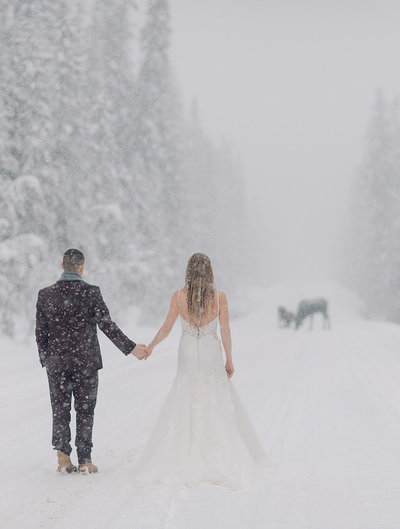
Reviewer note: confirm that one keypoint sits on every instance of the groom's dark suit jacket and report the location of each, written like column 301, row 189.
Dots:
column 67, row 315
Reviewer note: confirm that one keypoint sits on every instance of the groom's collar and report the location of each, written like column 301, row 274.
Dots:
column 70, row 275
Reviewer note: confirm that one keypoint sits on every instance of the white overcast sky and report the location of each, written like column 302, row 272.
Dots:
column 292, row 84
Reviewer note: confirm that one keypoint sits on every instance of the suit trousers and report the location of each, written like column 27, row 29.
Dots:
column 83, row 387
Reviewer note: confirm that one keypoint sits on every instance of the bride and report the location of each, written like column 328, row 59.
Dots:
column 202, row 433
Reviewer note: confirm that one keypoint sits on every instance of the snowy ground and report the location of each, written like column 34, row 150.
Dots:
column 326, row 405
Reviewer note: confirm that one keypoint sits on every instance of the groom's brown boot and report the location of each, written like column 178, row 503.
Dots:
column 64, row 463
column 88, row 468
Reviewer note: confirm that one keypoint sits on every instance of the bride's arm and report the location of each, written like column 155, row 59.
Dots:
column 166, row 327
column 226, row 333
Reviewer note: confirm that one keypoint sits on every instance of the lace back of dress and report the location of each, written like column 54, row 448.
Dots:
column 210, row 329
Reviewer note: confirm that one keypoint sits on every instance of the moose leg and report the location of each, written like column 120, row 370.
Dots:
column 325, row 322
column 328, row 321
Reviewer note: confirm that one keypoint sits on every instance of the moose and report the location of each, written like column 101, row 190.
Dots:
column 309, row 308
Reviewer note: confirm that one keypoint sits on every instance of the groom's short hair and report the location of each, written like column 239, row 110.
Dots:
column 73, row 259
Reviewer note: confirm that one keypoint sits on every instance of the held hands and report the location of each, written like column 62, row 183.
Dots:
column 139, row 351
column 142, row 351
column 149, row 350
column 229, row 368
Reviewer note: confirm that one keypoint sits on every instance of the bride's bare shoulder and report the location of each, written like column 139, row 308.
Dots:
column 178, row 295
column 175, row 296
column 222, row 296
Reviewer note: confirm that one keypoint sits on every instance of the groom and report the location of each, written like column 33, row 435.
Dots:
column 67, row 315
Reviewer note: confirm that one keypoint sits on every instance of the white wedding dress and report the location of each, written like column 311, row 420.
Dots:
column 202, row 433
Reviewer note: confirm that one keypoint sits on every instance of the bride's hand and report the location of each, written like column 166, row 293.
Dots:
column 139, row 351
column 148, row 350
column 229, row 369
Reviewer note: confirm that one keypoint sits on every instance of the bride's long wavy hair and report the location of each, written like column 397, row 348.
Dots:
column 199, row 285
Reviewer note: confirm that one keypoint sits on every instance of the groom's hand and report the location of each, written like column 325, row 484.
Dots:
column 139, row 351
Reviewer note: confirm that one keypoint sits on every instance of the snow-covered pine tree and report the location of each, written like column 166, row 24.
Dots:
column 230, row 219
column 101, row 158
column 159, row 218
column 214, row 200
column 374, row 248
column 28, row 133
column 109, row 92
column 199, row 186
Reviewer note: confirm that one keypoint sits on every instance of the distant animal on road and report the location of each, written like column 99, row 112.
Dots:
column 309, row 307
column 285, row 317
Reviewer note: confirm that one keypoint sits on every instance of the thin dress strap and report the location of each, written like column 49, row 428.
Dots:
column 179, row 310
column 218, row 302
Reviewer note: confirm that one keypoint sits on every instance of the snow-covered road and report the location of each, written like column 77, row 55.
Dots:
column 326, row 405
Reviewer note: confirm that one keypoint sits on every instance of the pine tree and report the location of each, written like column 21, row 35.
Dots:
column 157, row 178
column 375, row 230
column 99, row 157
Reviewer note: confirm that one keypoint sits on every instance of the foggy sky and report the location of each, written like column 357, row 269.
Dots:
column 292, row 84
